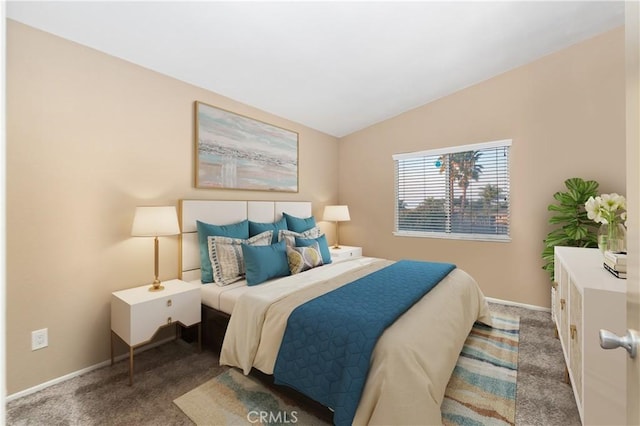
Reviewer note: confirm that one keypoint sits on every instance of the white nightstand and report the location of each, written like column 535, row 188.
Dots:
column 344, row 253
column 137, row 313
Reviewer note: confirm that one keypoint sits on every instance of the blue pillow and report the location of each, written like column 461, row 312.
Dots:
column 256, row 228
column 265, row 262
column 322, row 242
column 205, row 230
column 298, row 224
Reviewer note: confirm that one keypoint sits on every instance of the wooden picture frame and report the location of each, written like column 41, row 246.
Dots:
column 237, row 152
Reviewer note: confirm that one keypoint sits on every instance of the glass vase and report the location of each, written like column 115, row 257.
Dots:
column 612, row 237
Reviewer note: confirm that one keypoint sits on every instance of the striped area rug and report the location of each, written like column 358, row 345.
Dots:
column 482, row 390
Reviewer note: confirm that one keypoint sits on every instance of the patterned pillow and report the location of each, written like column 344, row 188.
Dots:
column 290, row 236
column 322, row 243
column 303, row 258
column 226, row 257
column 205, row 230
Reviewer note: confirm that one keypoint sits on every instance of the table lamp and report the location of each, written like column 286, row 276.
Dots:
column 156, row 221
column 336, row 214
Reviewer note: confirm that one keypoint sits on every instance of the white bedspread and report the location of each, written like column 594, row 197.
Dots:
column 412, row 361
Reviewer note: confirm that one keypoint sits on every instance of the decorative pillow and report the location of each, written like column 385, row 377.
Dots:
column 256, row 228
column 227, row 259
column 304, row 258
column 290, row 236
column 205, row 230
column 298, row 224
column 265, row 262
column 321, row 241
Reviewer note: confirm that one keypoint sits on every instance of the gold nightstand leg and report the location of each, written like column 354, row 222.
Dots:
column 130, row 365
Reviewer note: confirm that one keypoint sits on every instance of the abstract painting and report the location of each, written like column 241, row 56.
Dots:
column 238, row 152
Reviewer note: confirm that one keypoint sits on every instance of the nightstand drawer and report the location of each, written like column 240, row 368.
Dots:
column 149, row 316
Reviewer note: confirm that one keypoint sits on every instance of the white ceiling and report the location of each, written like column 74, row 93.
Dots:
column 334, row 66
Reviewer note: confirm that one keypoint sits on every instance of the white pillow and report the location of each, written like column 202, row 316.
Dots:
column 227, row 262
column 290, row 236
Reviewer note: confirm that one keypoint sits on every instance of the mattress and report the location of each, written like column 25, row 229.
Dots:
column 224, row 298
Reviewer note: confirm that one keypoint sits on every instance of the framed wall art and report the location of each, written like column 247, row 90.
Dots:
column 238, row 152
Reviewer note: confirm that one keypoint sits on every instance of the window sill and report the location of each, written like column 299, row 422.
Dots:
column 445, row 236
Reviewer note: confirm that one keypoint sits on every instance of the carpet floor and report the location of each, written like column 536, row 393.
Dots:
column 164, row 373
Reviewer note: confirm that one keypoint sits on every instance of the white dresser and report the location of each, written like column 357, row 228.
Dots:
column 586, row 298
column 137, row 313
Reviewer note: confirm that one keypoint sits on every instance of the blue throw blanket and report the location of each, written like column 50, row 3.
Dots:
column 327, row 345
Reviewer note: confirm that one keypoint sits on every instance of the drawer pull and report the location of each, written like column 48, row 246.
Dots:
column 554, row 284
column 169, row 320
column 169, row 302
column 562, row 303
column 574, row 331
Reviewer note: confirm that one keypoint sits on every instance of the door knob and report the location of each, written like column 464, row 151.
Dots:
column 609, row 340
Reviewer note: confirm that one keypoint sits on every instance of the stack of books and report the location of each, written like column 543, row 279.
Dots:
column 616, row 263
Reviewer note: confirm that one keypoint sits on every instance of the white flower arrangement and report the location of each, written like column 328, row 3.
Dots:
column 604, row 208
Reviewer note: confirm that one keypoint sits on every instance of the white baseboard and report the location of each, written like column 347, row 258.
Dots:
column 520, row 305
column 80, row 372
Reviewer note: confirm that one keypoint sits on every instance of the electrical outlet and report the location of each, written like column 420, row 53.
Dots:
column 39, row 339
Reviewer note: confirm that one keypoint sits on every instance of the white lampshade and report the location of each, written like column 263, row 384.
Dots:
column 155, row 221
column 336, row 213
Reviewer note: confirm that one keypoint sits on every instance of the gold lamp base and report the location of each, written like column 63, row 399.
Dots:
column 156, row 286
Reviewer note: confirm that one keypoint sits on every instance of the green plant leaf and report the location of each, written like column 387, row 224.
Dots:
column 561, row 208
column 548, row 254
column 576, row 232
column 574, row 227
column 562, row 219
column 561, row 240
column 564, row 198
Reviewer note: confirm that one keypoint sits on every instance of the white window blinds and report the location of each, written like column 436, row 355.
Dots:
column 459, row 192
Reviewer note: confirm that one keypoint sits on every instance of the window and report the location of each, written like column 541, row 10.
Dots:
column 460, row 192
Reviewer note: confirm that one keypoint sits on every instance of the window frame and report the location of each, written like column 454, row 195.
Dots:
column 504, row 143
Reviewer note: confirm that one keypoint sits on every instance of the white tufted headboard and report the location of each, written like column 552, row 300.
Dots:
column 225, row 213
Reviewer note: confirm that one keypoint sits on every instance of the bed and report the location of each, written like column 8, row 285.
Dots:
column 412, row 359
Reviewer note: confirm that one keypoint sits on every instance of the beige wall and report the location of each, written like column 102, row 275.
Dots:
column 89, row 137
column 566, row 116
